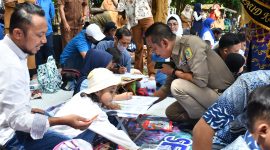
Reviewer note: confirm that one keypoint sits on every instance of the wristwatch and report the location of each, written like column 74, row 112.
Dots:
column 173, row 73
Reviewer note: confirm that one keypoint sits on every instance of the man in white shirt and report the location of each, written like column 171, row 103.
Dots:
column 27, row 33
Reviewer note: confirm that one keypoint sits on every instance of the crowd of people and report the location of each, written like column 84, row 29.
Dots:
column 220, row 80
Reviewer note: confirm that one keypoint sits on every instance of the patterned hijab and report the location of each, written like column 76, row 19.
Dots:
column 187, row 13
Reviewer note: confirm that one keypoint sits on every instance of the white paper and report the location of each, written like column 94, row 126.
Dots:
column 132, row 76
column 159, row 109
column 138, row 101
column 135, row 106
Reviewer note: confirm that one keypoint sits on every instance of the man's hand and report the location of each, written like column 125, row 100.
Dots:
column 37, row 110
column 167, row 69
column 67, row 27
column 122, row 70
column 161, row 94
column 123, row 96
column 83, row 19
column 77, row 122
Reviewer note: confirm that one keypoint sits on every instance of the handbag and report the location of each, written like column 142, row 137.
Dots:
column 49, row 77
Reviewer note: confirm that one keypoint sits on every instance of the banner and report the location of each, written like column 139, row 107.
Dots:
column 258, row 12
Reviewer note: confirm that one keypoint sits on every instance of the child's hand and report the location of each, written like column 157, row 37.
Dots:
column 123, row 96
column 135, row 71
column 122, row 70
column 113, row 106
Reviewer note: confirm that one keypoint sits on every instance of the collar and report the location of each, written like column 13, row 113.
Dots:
column 252, row 144
column 14, row 47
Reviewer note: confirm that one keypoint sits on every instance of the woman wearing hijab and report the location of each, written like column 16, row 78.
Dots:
column 175, row 24
column 93, row 59
column 197, row 23
column 206, row 33
column 186, row 18
column 99, row 59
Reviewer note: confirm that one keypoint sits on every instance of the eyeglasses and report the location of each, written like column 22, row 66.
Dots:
column 172, row 24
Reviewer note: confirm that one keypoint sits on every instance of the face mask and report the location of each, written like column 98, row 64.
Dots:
column 241, row 52
column 120, row 47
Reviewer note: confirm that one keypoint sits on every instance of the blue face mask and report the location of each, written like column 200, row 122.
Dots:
column 120, row 47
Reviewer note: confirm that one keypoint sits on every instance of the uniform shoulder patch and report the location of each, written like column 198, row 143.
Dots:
column 188, row 53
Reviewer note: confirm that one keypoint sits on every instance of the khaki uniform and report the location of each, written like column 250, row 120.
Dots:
column 193, row 55
column 73, row 12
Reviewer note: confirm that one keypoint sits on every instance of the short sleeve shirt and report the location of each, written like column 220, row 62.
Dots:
column 73, row 12
column 78, row 44
column 226, row 116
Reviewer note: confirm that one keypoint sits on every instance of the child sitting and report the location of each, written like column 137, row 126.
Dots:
column 102, row 84
column 258, row 122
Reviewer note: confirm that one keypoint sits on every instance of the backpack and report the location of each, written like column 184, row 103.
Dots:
column 48, row 76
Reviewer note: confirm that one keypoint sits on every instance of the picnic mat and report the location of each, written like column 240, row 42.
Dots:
column 158, row 139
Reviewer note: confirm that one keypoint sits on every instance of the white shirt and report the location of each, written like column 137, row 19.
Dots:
column 196, row 17
column 207, row 36
column 15, row 110
column 85, row 107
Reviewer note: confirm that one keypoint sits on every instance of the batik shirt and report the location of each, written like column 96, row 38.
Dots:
column 245, row 142
column 227, row 115
column 135, row 10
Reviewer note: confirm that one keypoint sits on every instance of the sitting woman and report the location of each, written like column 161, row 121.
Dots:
column 102, row 86
column 175, row 24
column 206, row 33
column 98, row 59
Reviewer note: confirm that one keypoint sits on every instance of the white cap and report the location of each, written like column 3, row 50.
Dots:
column 101, row 78
column 94, row 31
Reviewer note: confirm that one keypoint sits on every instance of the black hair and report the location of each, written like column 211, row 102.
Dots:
column 217, row 30
column 241, row 37
column 258, row 107
column 92, row 96
column 122, row 32
column 108, row 26
column 228, row 40
column 22, row 16
column 234, row 62
column 159, row 31
column 116, row 55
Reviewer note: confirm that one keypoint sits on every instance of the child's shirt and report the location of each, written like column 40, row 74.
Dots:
column 85, row 107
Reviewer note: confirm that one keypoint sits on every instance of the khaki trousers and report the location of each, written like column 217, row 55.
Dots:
column 138, row 37
column 191, row 99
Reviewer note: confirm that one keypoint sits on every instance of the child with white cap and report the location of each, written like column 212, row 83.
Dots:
column 101, row 89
